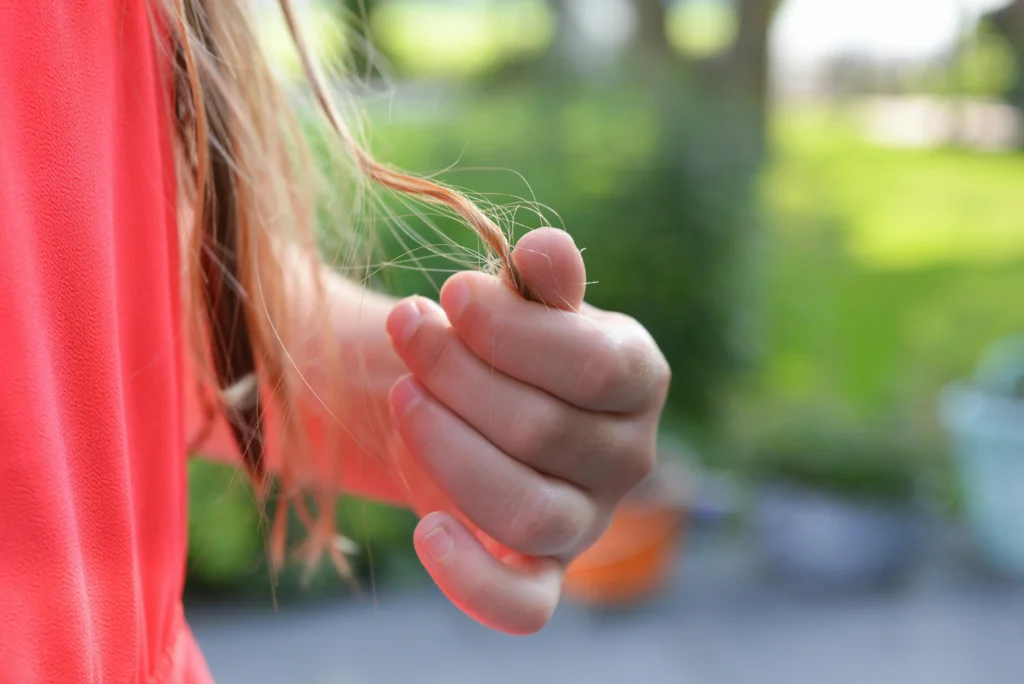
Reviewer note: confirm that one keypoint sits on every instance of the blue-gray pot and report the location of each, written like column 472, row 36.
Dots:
column 820, row 541
column 987, row 431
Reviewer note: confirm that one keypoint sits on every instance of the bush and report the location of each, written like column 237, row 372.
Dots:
column 227, row 552
column 845, row 459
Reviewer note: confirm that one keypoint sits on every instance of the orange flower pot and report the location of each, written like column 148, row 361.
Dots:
column 635, row 556
column 633, row 559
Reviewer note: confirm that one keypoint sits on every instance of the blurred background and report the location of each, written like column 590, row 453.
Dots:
column 817, row 208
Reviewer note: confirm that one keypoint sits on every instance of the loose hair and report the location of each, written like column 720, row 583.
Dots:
column 247, row 191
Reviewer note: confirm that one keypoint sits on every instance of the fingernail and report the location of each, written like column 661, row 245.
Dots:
column 438, row 543
column 403, row 321
column 455, row 298
column 406, row 395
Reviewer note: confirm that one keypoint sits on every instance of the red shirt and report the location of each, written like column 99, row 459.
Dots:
column 92, row 449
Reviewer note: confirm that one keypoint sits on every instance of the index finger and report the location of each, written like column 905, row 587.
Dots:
column 594, row 363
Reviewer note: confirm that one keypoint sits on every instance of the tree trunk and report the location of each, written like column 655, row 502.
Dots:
column 567, row 51
column 751, row 59
column 651, row 37
column 1009, row 22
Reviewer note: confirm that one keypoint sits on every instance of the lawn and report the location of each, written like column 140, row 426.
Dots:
column 890, row 269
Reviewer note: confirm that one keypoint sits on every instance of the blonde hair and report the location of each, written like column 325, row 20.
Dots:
column 249, row 208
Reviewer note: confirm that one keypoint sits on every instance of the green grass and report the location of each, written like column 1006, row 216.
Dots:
column 898, row 208
column 890, row 269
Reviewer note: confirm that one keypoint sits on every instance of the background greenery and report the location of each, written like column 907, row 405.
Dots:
column 787, row 265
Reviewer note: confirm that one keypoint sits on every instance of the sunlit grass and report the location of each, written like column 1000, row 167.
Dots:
column 460, row 39
column 899, row 208
column 891, row 269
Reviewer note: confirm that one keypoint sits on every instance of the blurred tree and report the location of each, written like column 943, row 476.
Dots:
column 750, row 60
column 1009, row 22
column 740, row 73
column 571, row 52
column 987, row 65
column 652, row 38
column 568, row 47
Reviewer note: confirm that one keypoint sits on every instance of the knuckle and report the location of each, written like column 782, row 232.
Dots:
column 601, row 372
column 644, row 363
column 601, row 525
column 527, row 517
column 597, row 437
column 637, row 357
column 538, row 525
column 631, row 362
column 540, row 431
column 632, row 458
column 664, row 373
column 661, row 372
column 643, row 372
column 637, row 464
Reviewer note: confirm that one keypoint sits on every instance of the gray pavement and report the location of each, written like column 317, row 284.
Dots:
column 719, row 622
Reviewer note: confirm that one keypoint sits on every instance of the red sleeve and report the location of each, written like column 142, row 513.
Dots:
column 92, row 474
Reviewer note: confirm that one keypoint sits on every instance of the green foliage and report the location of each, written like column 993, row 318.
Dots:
column 986, row 67
column 224, row 538
column 983, row 66
column 815, row 450
column 888, row 270
column 227, row 551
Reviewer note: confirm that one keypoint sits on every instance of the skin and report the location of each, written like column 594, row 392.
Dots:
column 513, row 428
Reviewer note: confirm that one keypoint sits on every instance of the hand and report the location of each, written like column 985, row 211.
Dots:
column 531, row 420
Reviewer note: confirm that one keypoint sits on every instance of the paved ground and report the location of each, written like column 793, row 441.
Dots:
column 719, row 623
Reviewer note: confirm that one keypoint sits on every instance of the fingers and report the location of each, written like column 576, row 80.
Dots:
column 552, row 265
column 510, row 502
column 595, row 363
column 516, row 596
column 528, row 424
column 530, row 420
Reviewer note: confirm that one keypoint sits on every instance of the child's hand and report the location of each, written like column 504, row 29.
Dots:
column 533, row 420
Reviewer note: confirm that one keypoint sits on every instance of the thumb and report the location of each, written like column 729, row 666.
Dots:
column 552, row 266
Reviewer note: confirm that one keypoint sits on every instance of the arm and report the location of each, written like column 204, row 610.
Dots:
column 360, row 447
column 513, row 427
